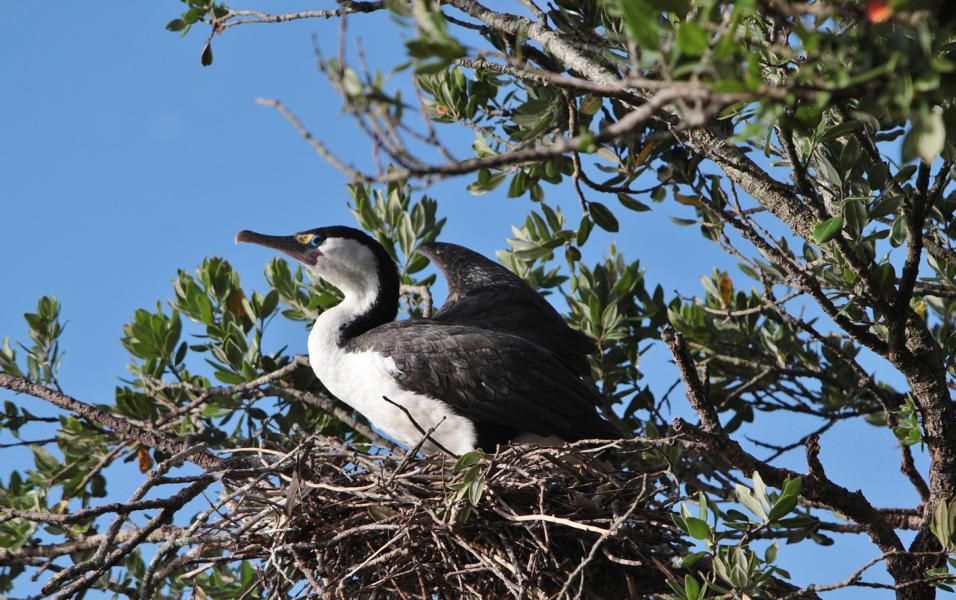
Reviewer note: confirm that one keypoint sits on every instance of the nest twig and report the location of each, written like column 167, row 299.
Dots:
column 525, row 522
column 339, row 521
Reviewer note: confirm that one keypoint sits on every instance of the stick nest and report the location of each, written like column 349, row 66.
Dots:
column 525, row 522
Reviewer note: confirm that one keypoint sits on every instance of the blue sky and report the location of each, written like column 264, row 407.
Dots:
column 123, row 160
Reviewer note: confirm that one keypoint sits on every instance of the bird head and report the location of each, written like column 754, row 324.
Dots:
column 349, row 259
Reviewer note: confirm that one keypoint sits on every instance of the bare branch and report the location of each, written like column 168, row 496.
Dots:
column 688, row 374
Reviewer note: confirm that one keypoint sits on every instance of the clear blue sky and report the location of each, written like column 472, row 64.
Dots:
column 123, row 160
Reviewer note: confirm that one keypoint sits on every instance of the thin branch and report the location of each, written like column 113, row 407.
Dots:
column 351, row 172
column 915, row 215
column 617, row 130
column 243, row 17
column 854, row 578
column 427, row 435
column 688, row 373
column 426, row 295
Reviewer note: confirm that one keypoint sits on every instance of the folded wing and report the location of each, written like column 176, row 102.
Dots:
column 484, row 294
column 503, row 383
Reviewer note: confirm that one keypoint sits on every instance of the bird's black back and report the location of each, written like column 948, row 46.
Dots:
column 485, row 294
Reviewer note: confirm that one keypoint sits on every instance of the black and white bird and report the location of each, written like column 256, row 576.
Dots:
column 477, row 374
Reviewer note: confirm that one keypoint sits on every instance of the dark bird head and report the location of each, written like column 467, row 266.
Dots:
column 349, row 259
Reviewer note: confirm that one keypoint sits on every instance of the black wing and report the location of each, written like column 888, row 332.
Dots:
column 484, row 294
column 501, row 382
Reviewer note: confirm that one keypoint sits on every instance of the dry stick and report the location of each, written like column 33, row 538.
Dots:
column 612, row 530
column 175, row 503
column 551, row 519
column 108, row 541
column 426, row 434
column 211, row 392
column 620, row 128
column 305, row 570
column 330, row 406
column 124, row 427
column 413, row 451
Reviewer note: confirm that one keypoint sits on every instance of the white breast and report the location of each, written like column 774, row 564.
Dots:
column 361, row 379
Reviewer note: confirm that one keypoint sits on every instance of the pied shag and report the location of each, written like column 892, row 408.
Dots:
column 489, row 378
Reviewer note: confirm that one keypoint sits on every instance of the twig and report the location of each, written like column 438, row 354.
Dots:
column 551, row 519
column 426, row 296
column 688, row 373
column 425, row 434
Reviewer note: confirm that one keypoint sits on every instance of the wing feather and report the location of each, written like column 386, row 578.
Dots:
column 484, row 294
column 489, row 377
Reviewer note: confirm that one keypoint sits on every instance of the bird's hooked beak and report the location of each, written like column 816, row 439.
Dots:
column 297, row 246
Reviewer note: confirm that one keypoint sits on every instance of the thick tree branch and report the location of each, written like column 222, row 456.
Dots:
column 816, row 486
column 125, row 428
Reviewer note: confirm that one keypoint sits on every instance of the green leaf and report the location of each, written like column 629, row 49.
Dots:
column 533, row 253
column 943, row 522
column 632, row 204
column 792, row 487
column 206, row 58
column 691, row 39
column 475, row 491
column 228, row 377
column 691, row 558
column 932, row 136
column 782, row 507
column 467, row 460
column 691, row 587
column 697, row 528
column 176, row 25
column 898, row 232
column 746, row 497
column 603, row 216
column 854, row 215
column 641, row 23
column 825, row 231
column 839, row 130
column 760, row 490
